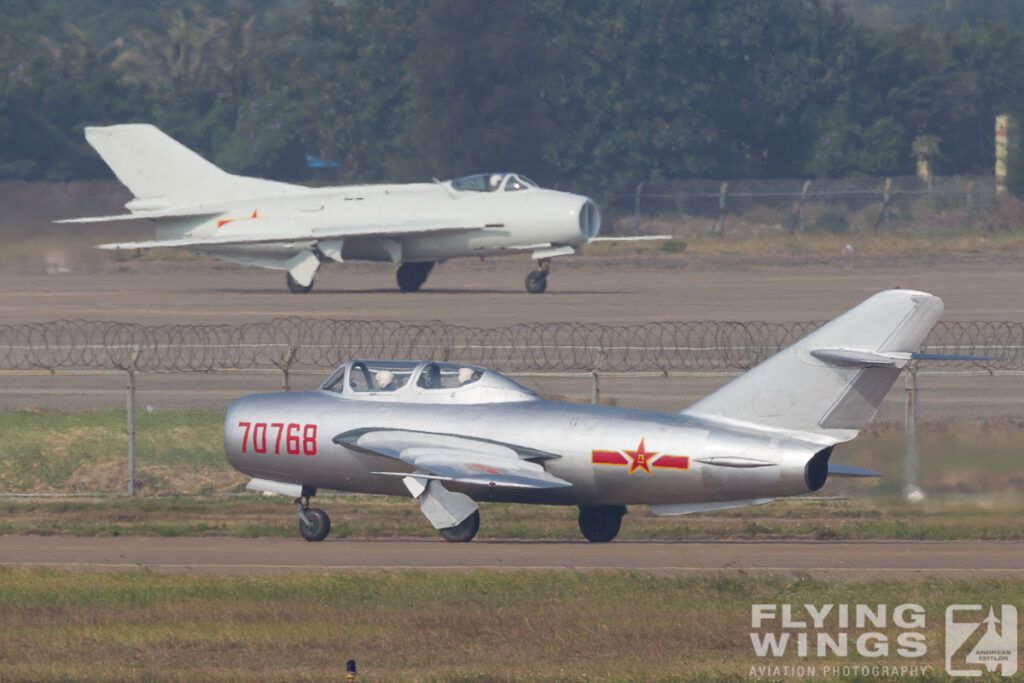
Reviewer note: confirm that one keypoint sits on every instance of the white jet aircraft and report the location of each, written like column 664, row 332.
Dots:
column 197, row 206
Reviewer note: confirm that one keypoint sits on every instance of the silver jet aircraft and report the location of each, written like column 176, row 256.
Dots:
column 197, row 206
column 450, row 435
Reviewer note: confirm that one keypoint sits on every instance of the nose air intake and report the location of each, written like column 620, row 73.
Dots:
column 590, row 220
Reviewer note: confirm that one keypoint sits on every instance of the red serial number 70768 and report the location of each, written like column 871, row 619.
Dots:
column 298, row 439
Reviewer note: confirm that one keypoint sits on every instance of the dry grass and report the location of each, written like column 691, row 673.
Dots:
column 480, row 626
column 371, row 517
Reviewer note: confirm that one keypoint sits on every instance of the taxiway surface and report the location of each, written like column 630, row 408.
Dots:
column 837, row 561
column 490, row 293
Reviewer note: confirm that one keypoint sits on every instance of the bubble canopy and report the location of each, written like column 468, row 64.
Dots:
column 493, row 182
column 423, row 380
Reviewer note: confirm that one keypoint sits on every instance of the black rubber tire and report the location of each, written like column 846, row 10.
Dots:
column 319, row 527
column 411, row 276
column 536, row 282
column 464, row 532
column 296, row 288
column 601, row 523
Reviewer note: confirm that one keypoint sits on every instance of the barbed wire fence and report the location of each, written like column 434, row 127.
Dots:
column 304, row 344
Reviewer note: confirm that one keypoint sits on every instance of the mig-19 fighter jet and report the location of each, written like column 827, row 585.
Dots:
column 195, row 205
column 449, row 434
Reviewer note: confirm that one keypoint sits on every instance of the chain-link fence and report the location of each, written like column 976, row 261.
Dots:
column 69, row 388
column 904, row 204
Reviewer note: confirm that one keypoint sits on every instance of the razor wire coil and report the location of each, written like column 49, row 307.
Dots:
column 302, row 343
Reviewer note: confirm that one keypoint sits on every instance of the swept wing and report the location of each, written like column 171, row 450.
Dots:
column 454, row 458
column 272, row 231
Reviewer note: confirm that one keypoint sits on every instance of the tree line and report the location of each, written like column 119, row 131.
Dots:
column 594, row 95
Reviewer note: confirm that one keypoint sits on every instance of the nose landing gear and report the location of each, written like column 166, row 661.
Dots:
column 314, row 524
column 537, row 281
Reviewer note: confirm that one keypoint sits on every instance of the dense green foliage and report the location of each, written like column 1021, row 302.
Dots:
column 595, row 95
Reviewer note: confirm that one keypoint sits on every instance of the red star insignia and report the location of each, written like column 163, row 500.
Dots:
column 640, row 459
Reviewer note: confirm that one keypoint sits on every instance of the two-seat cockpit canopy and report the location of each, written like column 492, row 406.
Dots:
column 493, row 182
column 423, row 382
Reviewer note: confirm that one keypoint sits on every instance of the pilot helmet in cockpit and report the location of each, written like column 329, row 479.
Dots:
column 431, row 378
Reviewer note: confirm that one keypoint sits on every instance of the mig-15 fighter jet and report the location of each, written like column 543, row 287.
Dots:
column 195, row 205
column 449, row 434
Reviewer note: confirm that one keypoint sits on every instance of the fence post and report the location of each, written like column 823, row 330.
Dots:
column 285, row 366
column 595, row 388
column 636, row 208
column 883, row 217
column 130, row 409
column 800, row 224
column 970, row 202
column 720, row 225
column 912, row 492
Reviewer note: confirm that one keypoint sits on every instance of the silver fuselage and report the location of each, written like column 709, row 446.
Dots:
column 584, row 437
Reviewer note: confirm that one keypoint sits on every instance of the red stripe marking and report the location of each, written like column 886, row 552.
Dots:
column 607, row 458
column 672, row 462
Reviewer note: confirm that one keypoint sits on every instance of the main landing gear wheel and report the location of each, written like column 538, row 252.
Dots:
column 601, row 523
column 296, row 288
column 314, row 524
column 411, row 276
column 464, row 532
column 537, row 281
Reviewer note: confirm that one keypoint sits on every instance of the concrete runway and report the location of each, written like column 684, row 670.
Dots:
column 490, row 293
column 827, row 560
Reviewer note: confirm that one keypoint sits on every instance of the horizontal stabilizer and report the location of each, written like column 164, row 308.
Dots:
column 944, row 356
column 848, row 471
column 864, row 358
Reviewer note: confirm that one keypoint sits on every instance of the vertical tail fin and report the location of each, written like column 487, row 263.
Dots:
column 163, row 173
column 831, row 382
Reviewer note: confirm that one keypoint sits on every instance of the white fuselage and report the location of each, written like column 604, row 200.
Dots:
column 505, row 222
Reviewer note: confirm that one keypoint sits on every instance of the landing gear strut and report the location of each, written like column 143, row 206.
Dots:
column 314, row 524
column 464, row 532
column 537, row 281
column 600, row 523
column 411, row 276
column 296, row 288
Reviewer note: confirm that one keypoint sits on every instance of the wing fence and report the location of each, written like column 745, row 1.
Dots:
column 301, row 343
